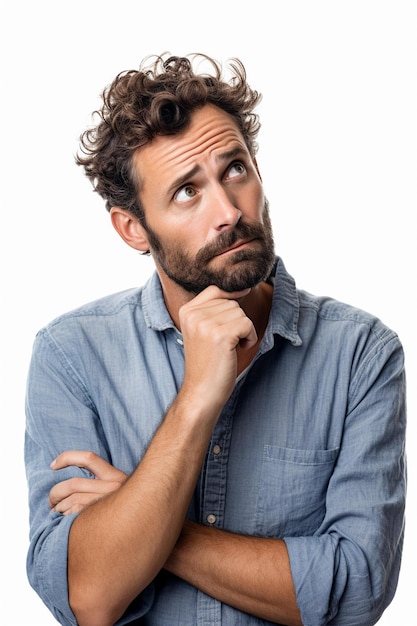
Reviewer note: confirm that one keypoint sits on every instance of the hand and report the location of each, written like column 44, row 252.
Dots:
column 75, row 494
column 213, row 326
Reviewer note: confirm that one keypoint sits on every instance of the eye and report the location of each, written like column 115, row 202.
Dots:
column 236, row 169
column 185, row 194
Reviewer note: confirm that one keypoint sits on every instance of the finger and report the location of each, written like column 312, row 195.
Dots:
column 66, row 488
column 75, row 503
column 247, row 334
column 213, row 292
column 88, row 460
column 81, row 486
column 224, row 316
column 235, row 319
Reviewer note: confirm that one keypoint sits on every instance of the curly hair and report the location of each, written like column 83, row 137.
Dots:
column 158, row 99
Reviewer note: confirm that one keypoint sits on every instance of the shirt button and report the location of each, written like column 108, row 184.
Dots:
column 216, row 449
column 211, row 518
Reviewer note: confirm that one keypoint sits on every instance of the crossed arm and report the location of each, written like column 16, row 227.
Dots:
column 132, row 527
column 252, row 574
column 128, row 528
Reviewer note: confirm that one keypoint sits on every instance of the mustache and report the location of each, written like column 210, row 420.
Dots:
column 226, row 239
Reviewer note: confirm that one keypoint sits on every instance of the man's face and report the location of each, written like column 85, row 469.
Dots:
column 207, row 219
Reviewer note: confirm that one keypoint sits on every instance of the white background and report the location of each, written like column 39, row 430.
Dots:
column 337, row 155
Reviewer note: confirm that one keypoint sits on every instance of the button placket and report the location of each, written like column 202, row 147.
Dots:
column 215, row 471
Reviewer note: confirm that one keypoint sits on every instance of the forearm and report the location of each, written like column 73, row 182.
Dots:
column 251, row 574
column 118, row 544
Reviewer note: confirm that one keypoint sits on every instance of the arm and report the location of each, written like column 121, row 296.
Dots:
column 251, row 574
column 62, row 414
column 118, row 544
column 253, row 568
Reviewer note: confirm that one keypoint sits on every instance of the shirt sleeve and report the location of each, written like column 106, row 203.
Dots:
column 60, row 416
column 347, row 572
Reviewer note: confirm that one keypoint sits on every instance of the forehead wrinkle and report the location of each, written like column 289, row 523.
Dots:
column 194, row 170
column 209, row 141
column 182, row 151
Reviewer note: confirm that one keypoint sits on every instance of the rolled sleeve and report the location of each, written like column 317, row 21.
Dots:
column 47, row 567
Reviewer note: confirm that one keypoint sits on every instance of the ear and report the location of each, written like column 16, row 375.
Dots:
column 129, row 229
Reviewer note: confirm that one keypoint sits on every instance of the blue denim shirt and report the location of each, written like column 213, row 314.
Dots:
column 309, row 447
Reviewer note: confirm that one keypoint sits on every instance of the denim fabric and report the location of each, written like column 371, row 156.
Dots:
column 309, row 447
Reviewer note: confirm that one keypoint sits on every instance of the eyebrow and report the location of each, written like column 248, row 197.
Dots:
column 224, row 156
column 181, row 180
column 231, row 154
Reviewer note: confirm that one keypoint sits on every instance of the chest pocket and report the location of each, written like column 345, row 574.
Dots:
column 292, row 490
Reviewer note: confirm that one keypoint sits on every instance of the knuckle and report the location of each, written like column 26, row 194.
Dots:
column 114, row 485
column 75, row 508
column 72, row 483
column 90, row 456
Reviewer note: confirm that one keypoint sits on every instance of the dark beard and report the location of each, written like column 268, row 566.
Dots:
column 241, row 269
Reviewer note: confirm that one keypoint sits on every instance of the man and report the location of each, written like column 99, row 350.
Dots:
column 246, row 439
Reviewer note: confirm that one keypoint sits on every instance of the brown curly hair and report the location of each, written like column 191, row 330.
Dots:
column 158, row 99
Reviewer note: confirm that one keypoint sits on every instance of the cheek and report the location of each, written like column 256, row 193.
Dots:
column 193, row 232
column 253, row 196
column 183, row 240
column 255, row 205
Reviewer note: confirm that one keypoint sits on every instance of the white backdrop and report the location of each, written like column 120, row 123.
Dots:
column 337, row 156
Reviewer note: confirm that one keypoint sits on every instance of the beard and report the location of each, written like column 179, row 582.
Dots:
column 240, row 270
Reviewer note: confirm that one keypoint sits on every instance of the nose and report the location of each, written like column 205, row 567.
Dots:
column 223, row 208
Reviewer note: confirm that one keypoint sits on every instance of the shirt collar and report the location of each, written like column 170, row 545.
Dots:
column 284, row 312
column 285, row 304
column 154, row 310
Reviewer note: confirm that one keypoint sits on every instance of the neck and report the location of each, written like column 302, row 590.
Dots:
column 257, row 307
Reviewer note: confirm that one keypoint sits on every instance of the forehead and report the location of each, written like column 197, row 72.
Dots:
column 212, row 132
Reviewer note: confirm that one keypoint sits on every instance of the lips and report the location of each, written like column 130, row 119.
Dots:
column 229, row 241
column 235, row 246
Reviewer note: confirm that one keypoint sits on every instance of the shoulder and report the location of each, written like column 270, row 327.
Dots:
column 108, row 317
column 108, row 306
column 334, row 318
